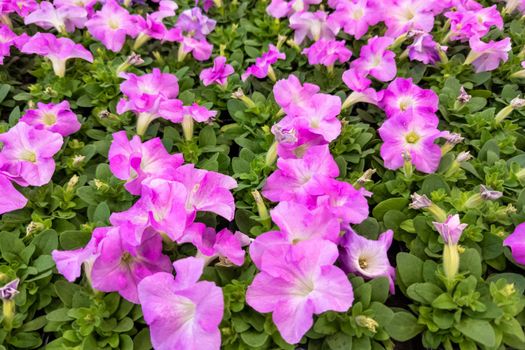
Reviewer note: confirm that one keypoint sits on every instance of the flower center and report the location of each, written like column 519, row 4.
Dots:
column 405, row 102
column 358, row 13
column 49, row 119
column 113, row 23
column 412, row 137
column 126, row 258
column 363, row 263
column 28, row 155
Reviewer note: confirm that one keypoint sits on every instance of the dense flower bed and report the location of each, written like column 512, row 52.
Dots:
column 303, row 174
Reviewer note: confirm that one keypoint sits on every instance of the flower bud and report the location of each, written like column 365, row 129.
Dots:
column 271, row 155
column 367, row 322
column 422, row 202
column 450, row 260
column 239, row 95
column 261, row 209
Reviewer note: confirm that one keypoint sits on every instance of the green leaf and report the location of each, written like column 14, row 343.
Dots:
column 4, row 90
column 470, row 261
column 409, row 268
column 46, row 242
column 102, row 213
column 142, row 340
column 478, row 330
column 66, row 291
column 26, row 340
column 403, row 326
column 339, row 341
column 424, row 293
column 254, row 339
column 380, row 289
column 389, row 204
column 444, row 302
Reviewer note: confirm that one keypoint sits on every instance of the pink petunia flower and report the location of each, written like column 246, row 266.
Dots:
column 403, row 97
column 487, row 56
column 466, row 23
column 357, row 81
column 319, row 117
column 53, row 117
column 376, row 60
column 194, row 23
column 224, row 244
column 355, row 16
column 119, row 266
column 27, row 154
column 327, row 52
column 262, row 66
column 12, row 199
column 297, row 282
column 297, row 223
column 218, row 74
column 413, row 136
column 135, row 161
column 57, row 50
column 69, row 262
column 516, row 242
column 111, row 25
column 286, row 8
column 7, row 39
column 181, row 312
column 313, row 25
column 367, row 257
column 21, row 7
column 151, row 96
column 292, row 96
column 450, row 230
column 424, row 48
column 63, row 18
column 345, row 202
column 300, row 179
column 402, row 16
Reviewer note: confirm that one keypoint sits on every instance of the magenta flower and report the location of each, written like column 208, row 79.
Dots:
column 164, row 201
column 13, row 200
column 402, row 16
column 181, row 312
column 516, row 242
column 355, row 16
column 410, row 135
column 262, row 66
column 207, row 191
column 194, row 23
column 319, row 117
column 151, row 96
column 404, row 98
column 297, row 282
column 63, row 18
column 300, row 179
column 198, row 113
column 211, row 245
column 291, row 143
column 200, row 49
column 297, row 223
column 286, row 8
column 467, row 23
column 111, row 25
column 327, row 52
column 376, row 60
column 218, row 74
column 69, row 262
column 450, row 230
column 135, row 161
column 313, row 25
column 152, row 26
column 367, row 257
column 292, row 96
column 487, row 56
column 119, row 266
column 424, row 49
column 345, row 202
column 7, row 39
column 21, row 7
column 57, row 50
column 27, row 155
column 357, row 81
column 53, row 117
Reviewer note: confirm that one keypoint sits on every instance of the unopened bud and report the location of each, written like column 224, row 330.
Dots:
column 463, row 157
column 366, row 177
column 509, row 290
column 78, row 160
column 367, row 322
column 463, row 97
column 239, row 95
column 101, row 185
column 450, row 260
column 261, row 209
column 489, row 194
column 34, row 227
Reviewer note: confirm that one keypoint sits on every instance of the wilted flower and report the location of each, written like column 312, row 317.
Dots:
column 53, row 117
column 366, row 257
column 489, row 194
column 57, row 50
column 181, row 312
column 463, row 96
column 9, row 290
column 297, row 282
